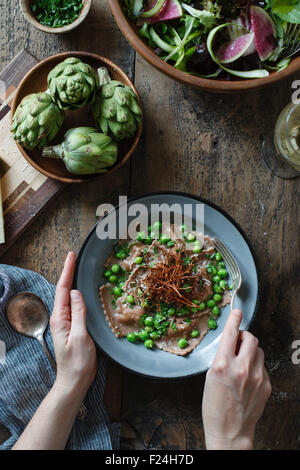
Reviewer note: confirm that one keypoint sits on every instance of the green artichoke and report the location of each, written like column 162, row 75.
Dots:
column 116, row 109
column 36, row 121
column 73, row 84
column 85, row 151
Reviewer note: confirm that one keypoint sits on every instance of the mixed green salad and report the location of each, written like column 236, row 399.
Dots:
column 217, row 38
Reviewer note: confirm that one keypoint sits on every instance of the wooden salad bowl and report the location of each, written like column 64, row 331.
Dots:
column 36, row 81
column 128, row 29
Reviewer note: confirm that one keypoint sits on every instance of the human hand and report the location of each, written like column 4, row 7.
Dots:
column 236, row 389
column 74, row 349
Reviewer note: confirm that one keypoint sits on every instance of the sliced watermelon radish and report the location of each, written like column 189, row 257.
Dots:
column 264, row 31
column 233, row 50
column 258, row 73
column 170, row 11
column 154, row 7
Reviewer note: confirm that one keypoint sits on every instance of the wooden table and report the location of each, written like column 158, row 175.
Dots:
column 208, row 145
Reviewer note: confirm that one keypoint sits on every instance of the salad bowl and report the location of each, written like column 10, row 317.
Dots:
column 229, row 84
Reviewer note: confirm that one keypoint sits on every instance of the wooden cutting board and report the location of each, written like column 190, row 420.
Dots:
column 25, row 191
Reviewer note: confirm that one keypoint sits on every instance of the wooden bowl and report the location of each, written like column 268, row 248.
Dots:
column 27, row 12
column 128, row 28
column 36, row 81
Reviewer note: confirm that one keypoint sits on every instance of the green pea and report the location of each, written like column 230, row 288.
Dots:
column 171, row 311
column 195, row 334
column 130, row 299
column 217, row 289
column 215, row 311
column 221, row 265
column 154, row 235
column 159, row 317
column 216, row 278
column 184, row 228
column 223, row 284
column 107, row 273
column 218, row 257
column 149, row 329
column 141, row 236
column 143, row 335
column 182, row 343
column 148, row 240
column 154, row 335
column 121, row 254
column 197, row 249
column 212, row 324
column 202, row 306
column 113, row 279
column 148, row 321
column 165, row 239
column 214, row 270
column 222, row 273
column 217, row 297
column 115, row 268
column 191, row 237
column 121, row 284
column 211, row 303
column 149, row 344
column 209, row 269
column 117, row 291
column 157, row 225
column 196, row 301
column 132, row 337
column 138, row 260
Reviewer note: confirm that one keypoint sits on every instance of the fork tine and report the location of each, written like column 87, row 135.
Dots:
column 290, row 35
column 291, row 40
column 229, row 259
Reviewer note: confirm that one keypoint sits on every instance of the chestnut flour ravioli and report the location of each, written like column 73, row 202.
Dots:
column 163, row 290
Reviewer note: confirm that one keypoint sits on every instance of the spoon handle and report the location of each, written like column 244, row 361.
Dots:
column 83, row 409
column 41, row 340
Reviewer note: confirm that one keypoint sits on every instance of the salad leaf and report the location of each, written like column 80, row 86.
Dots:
column 207, row 18
column 259, row 73
column 287, row 10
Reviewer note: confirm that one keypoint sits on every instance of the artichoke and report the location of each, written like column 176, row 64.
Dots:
column 116, row 109
column 73, row 84
column 36, row 121
column 85, row 151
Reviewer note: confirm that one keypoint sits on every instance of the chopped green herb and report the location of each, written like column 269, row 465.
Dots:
column 56, row 13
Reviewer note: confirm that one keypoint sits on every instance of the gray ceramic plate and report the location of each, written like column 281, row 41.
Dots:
column 157, row 363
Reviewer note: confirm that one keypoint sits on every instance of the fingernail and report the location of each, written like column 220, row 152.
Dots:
column 75, row 295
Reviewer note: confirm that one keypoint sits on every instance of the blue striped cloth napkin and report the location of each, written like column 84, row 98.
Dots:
column 26, row 375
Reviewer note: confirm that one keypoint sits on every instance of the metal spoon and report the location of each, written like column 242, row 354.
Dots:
column 28, row 315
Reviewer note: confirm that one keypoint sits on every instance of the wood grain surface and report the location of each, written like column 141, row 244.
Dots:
column 208, row 145
column 25, row 191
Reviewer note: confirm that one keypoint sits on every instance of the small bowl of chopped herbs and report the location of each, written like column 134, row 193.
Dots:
column 55, row 16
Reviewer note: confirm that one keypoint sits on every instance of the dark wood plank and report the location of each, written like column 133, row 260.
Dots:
column 64, row 225
column 211, row 147
column 204, row 144
column 18, row 216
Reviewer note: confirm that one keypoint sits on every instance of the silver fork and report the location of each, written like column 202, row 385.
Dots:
column 291, row 41
column 232, row 266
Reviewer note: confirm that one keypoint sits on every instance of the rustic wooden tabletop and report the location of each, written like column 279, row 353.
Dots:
column 204, row 144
